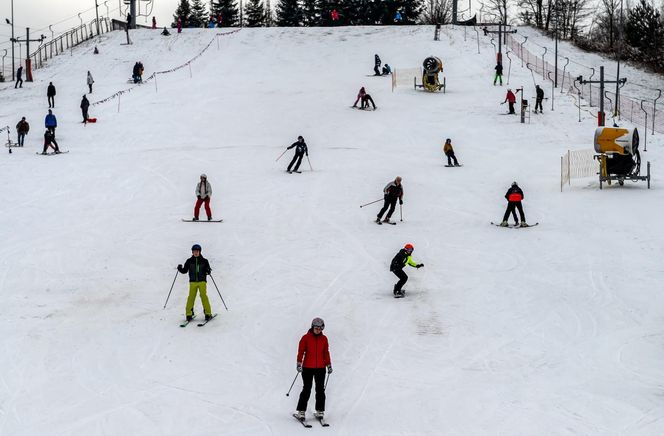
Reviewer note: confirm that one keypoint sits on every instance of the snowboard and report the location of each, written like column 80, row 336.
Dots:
column 202, row 221
column 515, row 227
column 452, row 166
column 365, row 109
column 51, row 154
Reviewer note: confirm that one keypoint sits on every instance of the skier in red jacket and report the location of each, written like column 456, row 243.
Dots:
column 313, row 356
column 514, row 196
column 511, row 99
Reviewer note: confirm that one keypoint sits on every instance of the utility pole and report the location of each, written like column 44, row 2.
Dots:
column 615, row 112
column 28, row 67
column 555, row 68
column 13, row 66
column 601, row 81
column 97, row 12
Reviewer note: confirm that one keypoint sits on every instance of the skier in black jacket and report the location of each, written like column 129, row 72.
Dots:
column 402, row 258
column 198, row 268
column 377, row 63
column 300, row 150
column 50, row 94
column 538, row 99
column 85, row 104
column 514, row 195
column 499, row 74
column 392, row 192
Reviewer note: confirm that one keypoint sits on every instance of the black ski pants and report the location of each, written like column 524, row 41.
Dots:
column 19, row 83
column 451, row 156
column 376, row 70
column 85, row 114
column 511, row 205
column 309, row 375
column 403, row 278
column 538, row 103
column 511, row 107
column 390, row 202
column 51, row 101
column 366, row 100
column 298, row 158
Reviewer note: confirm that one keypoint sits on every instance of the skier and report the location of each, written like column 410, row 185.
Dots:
column 360, row 94
column 50, row 122
column 22, row 129
column 96, row 51
column 392, row 192
column 154, row 23
column 387, row 69
column 397, row 265
column 49, row 141
column 538, row 99
column 135, row 73
column 313, row 357
column 335, row 15
column 514, row 196
column 50, row 94
column 203, row 195
column 90, row 81
column 366, row 99
column 19, row 77
column 377, row 63
column 198, row 268
column 165, row 32
column 499, row 74
column 140, row 71
column 85, row 104
column 300, row 150
column 179, row 25
column 449, row 152
column 511, row 99
column 397, row 17
column 128, row 22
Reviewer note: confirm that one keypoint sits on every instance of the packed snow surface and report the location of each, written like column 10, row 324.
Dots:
column 553, row 330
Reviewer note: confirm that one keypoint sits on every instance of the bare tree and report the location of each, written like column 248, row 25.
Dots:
column 437, row 12
column 496, row 10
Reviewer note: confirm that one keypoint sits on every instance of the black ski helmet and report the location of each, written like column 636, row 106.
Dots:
column 318, row 322
column 196, row 247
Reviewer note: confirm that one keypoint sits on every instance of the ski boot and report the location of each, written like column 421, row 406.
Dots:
column 195, row 218
column 504, row 224
column 299, row 414
column 386, row 220
column 524, row 224
column 319, row 414
column 191, row 317
column 208, row 317
column 209, row 218
column 378, row 221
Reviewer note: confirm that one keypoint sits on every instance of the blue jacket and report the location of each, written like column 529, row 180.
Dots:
column 51, row 121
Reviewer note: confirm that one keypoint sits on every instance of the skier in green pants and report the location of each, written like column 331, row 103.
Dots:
column 198, row 268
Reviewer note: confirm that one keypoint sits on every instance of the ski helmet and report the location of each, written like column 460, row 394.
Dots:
column 203, row 176
column 196, row 247
column 299, row 138
column 409, row 247
column 318, row 322
column 514, row 184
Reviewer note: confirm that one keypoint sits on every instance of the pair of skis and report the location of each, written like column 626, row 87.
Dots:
column 200, row 324
column 515, row 227
column 307, row 425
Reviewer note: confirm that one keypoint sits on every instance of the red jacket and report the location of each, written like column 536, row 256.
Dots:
column 313, row 351
column 510, row 97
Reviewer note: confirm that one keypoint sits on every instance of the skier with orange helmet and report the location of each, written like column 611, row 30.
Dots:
column 399, row 262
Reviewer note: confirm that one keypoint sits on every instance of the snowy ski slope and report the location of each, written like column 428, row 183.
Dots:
column 554, row 330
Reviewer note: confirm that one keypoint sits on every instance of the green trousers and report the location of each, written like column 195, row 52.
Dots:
column 195, row 287
column 498, row 77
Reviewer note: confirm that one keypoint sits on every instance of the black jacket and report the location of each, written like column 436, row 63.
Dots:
column 85, row 103
column 400, row 259
column 50, row 92
column 499, row 69
column 377, row 61
column 393, row 191
column 514, row 190
column 300, row 147
column 197, row 267
column 540, row 93
column 49, row 138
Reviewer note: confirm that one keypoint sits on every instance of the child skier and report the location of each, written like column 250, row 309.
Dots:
column 360, row 95
column 198, row 268
column 392, row 192
column 366, row 99
column 399, row 261
column 449, row 152
column 377, row 63
column 511, row 99
column 300, row 150
column 499, row 74
column 203, row 195
column 49, row 141
column 514, row 196
column 313, row 357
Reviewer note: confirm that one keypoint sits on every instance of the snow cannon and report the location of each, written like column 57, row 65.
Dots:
column 619, row 157
column 432, row 67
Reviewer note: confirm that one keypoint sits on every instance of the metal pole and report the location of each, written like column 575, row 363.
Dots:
column 615, row 112
column 13, row 40
column 555, row 75
column 97, row 13
column 601, row 96
column 543, row 70
column 654, row 103
column 524, row 41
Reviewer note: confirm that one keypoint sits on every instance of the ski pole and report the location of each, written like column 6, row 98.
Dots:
column 281, row 154
column 222, row 298
column 380, row 199
column 401, row 212
column 310, row 167
column 326, row 380
column 169, row 292
column 291, row 386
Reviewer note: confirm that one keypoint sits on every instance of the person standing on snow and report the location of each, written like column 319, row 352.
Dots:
column 90, row 81
column 514, row 196
column 399, row 262
column 203, row 196
column 511, row 99
column 85, row 104
column 377, row 63
column 499, row 74
column 19, row 77
column 313, row 357
column 392, row 192
column 49, row 141
column 50, row 94
column 300, row 150
column 179, row 25
column 198, row 268
column 539, row 92
column 50, row 122
column 154, row 23
column 449, row 152
column 22, row 129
